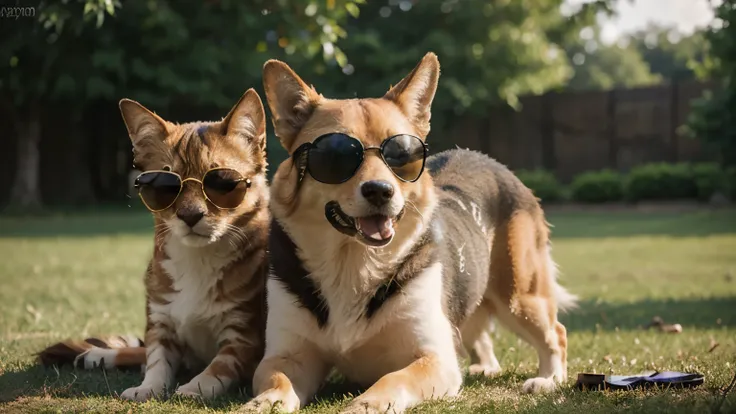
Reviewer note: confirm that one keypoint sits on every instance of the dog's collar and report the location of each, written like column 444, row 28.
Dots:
column 287, row 268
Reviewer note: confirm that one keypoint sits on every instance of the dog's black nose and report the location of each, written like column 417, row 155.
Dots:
column 189, row 216
column 377, row 192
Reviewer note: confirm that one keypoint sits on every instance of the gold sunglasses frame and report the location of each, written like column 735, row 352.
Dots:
column 181, row 187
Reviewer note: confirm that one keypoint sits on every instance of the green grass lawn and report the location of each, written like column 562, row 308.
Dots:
column 76, row 275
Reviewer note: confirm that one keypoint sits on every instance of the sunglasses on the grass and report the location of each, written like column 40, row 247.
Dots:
column 225, row 188
column 335, row 158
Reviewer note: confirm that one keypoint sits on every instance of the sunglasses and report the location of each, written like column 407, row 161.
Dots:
column 335, row 158
column 225, row 188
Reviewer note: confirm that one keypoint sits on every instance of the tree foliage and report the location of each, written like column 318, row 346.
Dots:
column 713, row 119
column 598, row 66
column 490, row 50
column 165, row 53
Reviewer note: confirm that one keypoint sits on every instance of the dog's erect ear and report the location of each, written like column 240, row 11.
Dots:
column 291, row 100
column 142, row 123
column 247, row 119
column 414, row 94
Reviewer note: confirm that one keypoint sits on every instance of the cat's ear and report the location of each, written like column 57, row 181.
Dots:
column 141, row 123
column 247, row 119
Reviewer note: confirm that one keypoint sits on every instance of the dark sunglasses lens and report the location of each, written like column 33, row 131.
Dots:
column 225, row 188
column 405, row 155
column 158, row 189
column 334, row 158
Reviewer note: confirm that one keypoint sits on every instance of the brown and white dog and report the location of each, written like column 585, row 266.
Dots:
column 205, row 284
column 388, row 287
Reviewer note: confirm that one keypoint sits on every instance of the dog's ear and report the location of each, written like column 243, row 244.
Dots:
column 414, row 94
column 247, row 119
column 142, row 124
column 291, row 100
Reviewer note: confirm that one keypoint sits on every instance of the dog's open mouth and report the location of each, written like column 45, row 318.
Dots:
column 375, row 230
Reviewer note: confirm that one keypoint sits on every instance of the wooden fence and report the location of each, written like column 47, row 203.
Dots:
column 573, row 132
column 89, row 160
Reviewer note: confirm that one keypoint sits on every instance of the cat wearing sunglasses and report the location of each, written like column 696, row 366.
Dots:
column 388, row 264
column 205, row 184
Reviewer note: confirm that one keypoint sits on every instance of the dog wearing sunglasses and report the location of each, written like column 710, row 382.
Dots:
column 386, row 271
column 205, row 183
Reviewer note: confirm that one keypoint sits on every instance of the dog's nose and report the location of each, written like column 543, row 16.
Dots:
column 377, row 192
column 189, row 216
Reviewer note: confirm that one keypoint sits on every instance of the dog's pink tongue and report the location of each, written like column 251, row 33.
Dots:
column 377, row 227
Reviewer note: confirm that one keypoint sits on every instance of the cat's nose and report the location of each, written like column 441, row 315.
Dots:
column 190, row 216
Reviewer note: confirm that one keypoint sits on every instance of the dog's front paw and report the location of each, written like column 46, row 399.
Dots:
column 272, row 400
column 539, row 385
column 485, row 370
column 368, row 405
column 142, row 393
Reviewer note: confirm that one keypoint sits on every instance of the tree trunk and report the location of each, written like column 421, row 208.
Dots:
column 77, row 160
column 26, row 193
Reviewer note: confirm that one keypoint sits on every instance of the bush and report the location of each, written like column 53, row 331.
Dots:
column 709, row 178
column 543, row 184
column 660, row 181
column 597, row 187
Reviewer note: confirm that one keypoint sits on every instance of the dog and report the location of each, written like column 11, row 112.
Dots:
column 205, row 183
column 386, row 271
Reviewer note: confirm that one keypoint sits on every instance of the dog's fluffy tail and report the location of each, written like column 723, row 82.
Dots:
column 566, row 301
column 110, row 352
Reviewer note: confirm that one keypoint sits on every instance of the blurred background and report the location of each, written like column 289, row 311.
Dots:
column 553, row 88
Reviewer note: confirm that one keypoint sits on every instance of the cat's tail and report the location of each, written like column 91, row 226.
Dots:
column 110, row 352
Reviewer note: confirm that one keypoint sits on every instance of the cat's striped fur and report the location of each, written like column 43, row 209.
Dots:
column 205, row 298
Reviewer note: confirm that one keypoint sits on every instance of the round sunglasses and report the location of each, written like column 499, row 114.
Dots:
column 225, row 188
column 335, row 158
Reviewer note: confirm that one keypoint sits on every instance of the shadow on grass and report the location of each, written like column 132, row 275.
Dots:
column 700, row 313
column 135, row 220
column 596, row 224
column 66, row 382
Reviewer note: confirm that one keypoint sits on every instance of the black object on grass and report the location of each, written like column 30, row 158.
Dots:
column 595, row 382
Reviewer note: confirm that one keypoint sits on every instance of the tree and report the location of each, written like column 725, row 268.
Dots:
column 669, row 53
column 712, row 120
column 39, row 48
column 158, row 51
column 599, row 66
column 610, row 66
column 491, row 51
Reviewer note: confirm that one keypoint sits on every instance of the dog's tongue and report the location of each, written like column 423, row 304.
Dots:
column 376, row 227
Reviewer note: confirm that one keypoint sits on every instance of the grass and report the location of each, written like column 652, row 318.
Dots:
column 76, row 275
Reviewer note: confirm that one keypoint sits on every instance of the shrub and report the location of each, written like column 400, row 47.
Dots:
column 660, row 181
column 597, row 187
column 542, row 183
column 709, row 178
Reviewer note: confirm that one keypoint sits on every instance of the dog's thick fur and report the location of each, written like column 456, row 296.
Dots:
column 205, row 284
column 470, row 243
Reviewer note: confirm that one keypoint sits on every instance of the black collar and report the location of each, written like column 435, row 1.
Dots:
column 287, row 268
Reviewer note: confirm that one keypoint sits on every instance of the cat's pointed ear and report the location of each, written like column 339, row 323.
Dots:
column 247, row 119
column 414, row 94
column 141, row 123
column 290, row 99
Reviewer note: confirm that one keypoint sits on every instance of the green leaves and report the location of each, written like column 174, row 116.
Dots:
column 353, row 9
column 712, row 119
